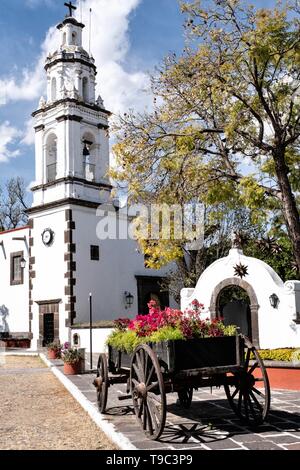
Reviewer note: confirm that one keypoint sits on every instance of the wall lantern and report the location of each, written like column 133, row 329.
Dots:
column 128, row 299
column 23, row 263
column 274, row 300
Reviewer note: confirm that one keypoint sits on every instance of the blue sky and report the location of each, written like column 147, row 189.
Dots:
column 155, row 28
column 148, row 28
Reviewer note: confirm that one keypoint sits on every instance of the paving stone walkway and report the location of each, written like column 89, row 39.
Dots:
column 209, row 424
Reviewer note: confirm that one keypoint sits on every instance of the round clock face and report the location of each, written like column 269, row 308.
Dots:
column 47, row 236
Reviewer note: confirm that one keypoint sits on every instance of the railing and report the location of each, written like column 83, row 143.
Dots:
column 89, row 171
column 51, row 172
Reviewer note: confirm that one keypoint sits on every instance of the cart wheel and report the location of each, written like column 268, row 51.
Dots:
column 148, row 391
column 185, row 397
column 101, row 383
column 251, row 404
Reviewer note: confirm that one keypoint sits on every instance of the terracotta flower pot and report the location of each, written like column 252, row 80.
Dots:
column 53, row 354
column 72, row 369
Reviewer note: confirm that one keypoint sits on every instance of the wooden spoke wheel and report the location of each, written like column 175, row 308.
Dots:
column 101, row 383
column 148, row 391
column 250, row 396
column 185, row 397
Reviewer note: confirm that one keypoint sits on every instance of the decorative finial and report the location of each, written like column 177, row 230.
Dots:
column 71, row 8
column 236, row 240
column 42, row 102
column 100, row 102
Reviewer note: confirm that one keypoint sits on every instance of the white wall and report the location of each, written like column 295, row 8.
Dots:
column 99, row 338
column 108, row 278
column 14, row 298
column 50, row 267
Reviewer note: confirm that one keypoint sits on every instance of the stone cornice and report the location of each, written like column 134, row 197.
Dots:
column 94, row 107
column 70, row 20
column 72, row 180
column 64, row 202
column 70, row 60
column 69, row 117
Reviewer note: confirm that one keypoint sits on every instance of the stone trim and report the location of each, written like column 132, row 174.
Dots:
column 49, row 306
column 48, row 302
column 71, row 60
column 103, row 126
column 64, row 202
column 235, row 281
column 96, row 325
column 39, row 128
column 71, row 117
column 70, row 20
column 94, row 107
column 71, row 268
column 72, row 180
column 31, row 270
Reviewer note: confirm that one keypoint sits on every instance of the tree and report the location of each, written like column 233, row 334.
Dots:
column 13, row 204
column 226, row 123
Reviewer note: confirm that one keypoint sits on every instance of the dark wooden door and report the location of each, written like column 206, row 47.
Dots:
column 48, row 328
column 149, row 288
column 238, row 313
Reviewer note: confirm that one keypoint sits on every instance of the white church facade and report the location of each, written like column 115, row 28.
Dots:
column 49, row 268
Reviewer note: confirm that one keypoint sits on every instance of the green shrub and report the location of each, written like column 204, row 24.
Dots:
column 230, row 330
column 166, row 333
column 284, row 354
column 125, row 341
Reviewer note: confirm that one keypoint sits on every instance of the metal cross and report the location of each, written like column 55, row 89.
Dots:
column 71, row 8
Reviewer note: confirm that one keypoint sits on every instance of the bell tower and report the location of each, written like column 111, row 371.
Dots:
column 71, row 125
column 72, row 159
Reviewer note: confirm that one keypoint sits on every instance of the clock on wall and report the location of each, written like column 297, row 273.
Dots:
column 48, row 237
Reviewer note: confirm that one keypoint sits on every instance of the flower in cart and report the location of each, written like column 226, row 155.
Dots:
column 196, row 305
column 122, row 324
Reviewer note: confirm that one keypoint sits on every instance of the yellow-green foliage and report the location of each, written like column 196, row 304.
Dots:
column 166, row 333
column 128, row 340
column 230, row 330
column 125, row 341
column 285, row 354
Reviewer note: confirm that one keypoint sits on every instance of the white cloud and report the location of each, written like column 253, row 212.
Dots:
column 29, row 134
column 120, row 88
column 32, row 83
column 8, row 136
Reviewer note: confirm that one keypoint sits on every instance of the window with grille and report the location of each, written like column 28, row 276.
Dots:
column 16, row 271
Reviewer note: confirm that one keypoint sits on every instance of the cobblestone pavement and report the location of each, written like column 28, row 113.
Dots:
column 38, row 413
column 209, row 424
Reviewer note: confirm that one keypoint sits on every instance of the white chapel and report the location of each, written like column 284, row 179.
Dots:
column 50, row 267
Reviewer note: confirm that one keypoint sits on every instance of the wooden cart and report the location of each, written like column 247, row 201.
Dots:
column 154, row 370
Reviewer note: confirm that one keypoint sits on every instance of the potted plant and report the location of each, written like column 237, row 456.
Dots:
column 72, row 358
column 54, row 350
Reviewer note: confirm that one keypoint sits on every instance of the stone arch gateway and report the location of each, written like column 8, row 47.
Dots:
column 272, row 327
column 234, row 281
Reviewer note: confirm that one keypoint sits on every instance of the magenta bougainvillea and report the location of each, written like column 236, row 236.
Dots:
column 188, row 322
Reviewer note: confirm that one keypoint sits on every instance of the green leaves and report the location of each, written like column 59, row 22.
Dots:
column 229, row 109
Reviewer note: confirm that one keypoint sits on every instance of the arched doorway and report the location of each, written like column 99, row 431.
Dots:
column 234, row 307
column 245, row 291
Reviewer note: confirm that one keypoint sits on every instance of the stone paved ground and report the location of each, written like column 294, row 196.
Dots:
column 209, row 424
column 36, row 411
